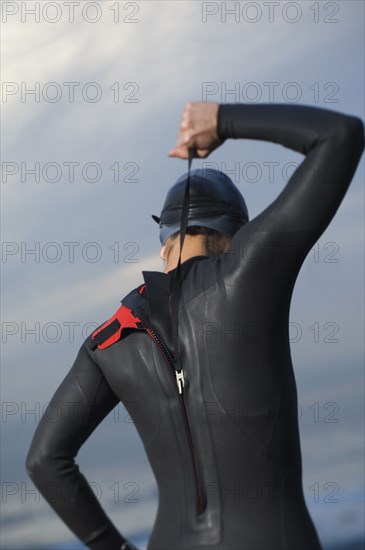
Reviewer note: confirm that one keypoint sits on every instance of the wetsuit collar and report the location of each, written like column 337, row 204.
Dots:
column 158, row 290
column 185, row 264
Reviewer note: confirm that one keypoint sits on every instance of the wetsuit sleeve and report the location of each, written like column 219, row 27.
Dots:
column 80, row 403
column 332, row 144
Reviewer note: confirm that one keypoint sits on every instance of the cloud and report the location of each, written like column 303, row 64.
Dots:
column 79, row 299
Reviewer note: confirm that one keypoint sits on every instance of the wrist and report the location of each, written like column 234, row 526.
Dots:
column 225, row 120
column 219, row 121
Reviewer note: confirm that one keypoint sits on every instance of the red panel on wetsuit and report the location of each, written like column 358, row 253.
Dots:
column 126, row 319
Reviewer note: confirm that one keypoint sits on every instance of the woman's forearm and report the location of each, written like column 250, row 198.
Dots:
column 332, row 143
column 82, row 401
column 298, row 127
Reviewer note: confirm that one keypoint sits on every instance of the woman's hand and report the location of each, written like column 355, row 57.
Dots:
column 198, row 130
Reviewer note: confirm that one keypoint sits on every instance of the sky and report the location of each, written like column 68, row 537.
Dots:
column 92, row 95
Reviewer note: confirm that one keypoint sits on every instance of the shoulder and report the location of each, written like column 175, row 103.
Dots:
column 111, row 330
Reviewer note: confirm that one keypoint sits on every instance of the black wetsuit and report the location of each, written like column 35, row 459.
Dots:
column 240, row 464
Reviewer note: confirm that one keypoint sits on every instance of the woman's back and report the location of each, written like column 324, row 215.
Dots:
column 226, row 451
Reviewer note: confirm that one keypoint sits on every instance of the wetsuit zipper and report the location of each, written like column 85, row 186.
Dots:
column 177, row 379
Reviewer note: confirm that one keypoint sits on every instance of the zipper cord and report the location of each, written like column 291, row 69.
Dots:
column 176, row 284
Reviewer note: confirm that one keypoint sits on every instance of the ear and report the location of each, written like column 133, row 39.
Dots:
column 162, row 252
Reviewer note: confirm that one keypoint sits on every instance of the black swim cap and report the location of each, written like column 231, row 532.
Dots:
column 214, row 202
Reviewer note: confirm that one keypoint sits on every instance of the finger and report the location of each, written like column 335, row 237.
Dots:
column 202, row 153
column 179, row 152
column 185, row 139
column 177, row 155
column 184, row 124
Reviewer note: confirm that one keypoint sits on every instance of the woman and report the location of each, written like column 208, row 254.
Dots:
column 224, row 481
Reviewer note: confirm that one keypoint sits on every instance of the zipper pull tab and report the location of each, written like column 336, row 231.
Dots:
column 180, row 380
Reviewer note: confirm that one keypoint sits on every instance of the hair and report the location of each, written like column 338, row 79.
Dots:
column 215, row 242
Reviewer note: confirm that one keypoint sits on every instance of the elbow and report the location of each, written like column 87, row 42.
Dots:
column 42, row 466
column 37, row 464
column 356, row 130
column 351, row 133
